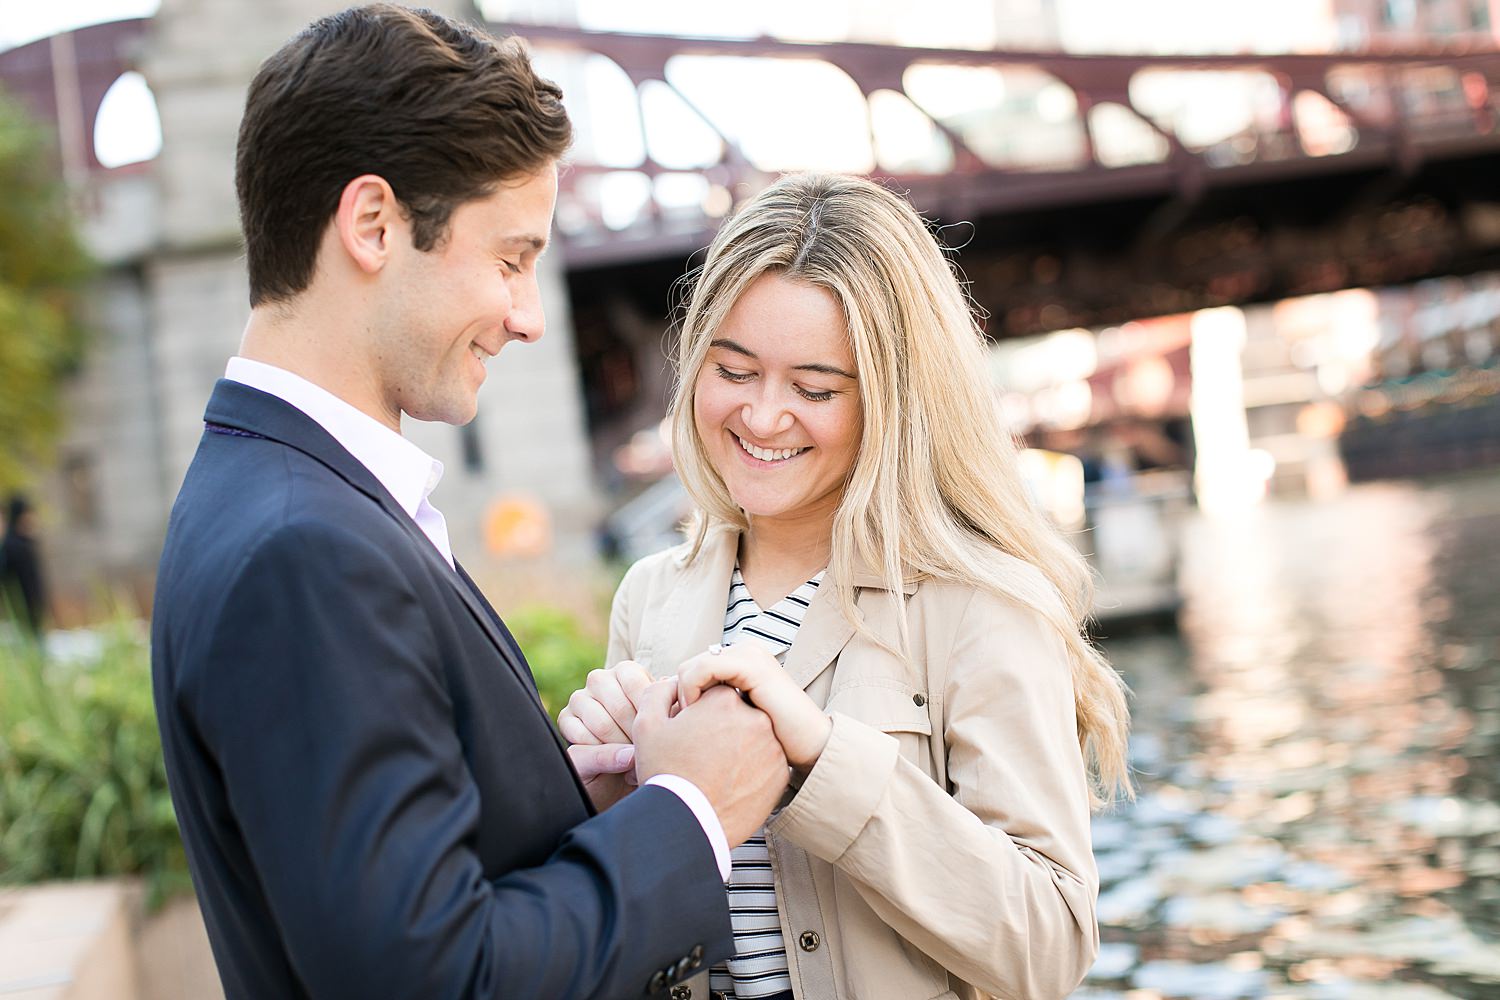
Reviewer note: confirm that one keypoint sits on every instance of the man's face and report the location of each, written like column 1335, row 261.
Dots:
column 451, row 309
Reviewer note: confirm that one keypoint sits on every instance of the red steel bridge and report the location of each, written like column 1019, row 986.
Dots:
column 1360, row 169
column 1350, row 169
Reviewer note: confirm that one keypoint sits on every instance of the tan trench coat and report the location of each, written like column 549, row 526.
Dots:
column 910, row 866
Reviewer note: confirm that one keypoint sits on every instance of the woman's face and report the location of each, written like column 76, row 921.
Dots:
column 776, row 402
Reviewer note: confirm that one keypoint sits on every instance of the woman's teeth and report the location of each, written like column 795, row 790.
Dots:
column 767, row 454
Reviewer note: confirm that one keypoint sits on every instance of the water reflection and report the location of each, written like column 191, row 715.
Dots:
column 1317, row 755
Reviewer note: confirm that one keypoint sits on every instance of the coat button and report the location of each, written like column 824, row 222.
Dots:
column 919, row 700
column 682, row 993
column 809, row 940
column 695, row 957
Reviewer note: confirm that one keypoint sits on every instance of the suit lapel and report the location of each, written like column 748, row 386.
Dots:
column 242, row 408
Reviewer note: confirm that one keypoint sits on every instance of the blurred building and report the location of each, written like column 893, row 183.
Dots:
column 1086, row 192
column 1415, row 23
column 172, row 300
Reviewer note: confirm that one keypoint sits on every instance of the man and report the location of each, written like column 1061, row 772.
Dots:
column 23, row 594
column 373, row 800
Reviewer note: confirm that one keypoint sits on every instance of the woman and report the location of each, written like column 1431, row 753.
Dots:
column 866, row 568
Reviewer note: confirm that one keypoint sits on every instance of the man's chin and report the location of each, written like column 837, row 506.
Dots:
column 456, row 413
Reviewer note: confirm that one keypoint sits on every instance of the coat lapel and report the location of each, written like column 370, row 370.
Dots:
column 262, row 414
column 692, row 617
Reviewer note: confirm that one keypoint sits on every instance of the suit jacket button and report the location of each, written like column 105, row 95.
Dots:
column 658, row 982
column 809, row 940
column 682, row 993
column 919, row 700
column 696, row 955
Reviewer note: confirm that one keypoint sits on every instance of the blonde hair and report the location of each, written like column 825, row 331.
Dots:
column 935, row 489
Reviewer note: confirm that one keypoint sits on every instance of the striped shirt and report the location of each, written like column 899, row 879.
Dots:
column 759, row 965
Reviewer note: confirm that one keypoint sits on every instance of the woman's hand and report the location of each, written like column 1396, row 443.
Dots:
column 607, row 772
column 603, row 711
column 800, row 726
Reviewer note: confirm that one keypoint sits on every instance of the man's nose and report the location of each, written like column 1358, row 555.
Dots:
column 526, row 321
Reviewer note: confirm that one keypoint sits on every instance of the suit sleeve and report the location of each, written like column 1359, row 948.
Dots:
column 326, row 712
column 995, row 881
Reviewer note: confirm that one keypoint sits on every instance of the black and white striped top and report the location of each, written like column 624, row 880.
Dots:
column 759, row 966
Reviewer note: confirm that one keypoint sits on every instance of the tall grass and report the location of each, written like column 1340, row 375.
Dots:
column 83, row 790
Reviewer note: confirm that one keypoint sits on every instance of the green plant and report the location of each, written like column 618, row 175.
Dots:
column 560, row 649
column 43, row 267
column 83, row 789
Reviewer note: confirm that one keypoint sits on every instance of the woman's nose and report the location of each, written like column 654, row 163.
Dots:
column 766, row 418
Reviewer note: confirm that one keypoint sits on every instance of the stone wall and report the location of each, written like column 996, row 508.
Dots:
column 171, row 306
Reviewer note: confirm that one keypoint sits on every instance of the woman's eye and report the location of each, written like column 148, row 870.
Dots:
column 816, row 397
column 733, row 376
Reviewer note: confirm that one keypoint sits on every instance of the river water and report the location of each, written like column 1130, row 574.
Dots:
column 1318, row 755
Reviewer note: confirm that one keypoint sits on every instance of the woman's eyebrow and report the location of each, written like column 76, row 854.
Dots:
column 738, row 348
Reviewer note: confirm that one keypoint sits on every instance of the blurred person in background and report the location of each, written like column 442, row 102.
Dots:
column 373, row 799
column 866, row 568
column 23, row 590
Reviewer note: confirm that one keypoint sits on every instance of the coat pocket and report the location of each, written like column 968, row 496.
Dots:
column 890, row 705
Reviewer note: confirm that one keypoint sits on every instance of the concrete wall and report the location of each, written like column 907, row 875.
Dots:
column 170, row 309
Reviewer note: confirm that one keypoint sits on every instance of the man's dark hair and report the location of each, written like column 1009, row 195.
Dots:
column 440, row 110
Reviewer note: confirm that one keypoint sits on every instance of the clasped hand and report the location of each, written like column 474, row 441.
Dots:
column 603, row 713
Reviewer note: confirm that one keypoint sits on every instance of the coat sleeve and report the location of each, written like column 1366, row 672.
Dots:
column 323, row 705
column 995, row 881
column 620, row 645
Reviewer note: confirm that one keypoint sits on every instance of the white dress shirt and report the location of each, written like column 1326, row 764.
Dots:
column 410, row 475
column 407, row 472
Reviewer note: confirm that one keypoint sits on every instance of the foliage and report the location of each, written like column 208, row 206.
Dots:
column 42, row 268
column 559, row 648
column 83, row 789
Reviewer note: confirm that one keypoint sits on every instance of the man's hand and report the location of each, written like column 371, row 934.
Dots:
column 607, row 771
column 603, row 711
column 720, row 744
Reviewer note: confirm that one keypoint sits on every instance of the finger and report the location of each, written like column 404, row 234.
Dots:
column 657, row 700
column 610, row 758
column 573, row 731
column 706, row 670
column 605, row 687
column 598, row 721
column 633, row 678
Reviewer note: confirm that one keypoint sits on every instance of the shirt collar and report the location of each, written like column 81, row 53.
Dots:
column 407, row 472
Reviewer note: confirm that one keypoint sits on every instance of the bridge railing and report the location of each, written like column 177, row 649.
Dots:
column 975, row 132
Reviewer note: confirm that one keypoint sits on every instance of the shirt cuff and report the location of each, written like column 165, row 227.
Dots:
column 695, row 800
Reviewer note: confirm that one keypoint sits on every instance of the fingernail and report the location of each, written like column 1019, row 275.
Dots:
column 624, row 757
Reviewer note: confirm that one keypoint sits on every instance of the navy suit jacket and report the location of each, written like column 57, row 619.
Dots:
column 373, row 800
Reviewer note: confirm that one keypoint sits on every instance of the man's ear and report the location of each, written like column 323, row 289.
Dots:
column 368, row 220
